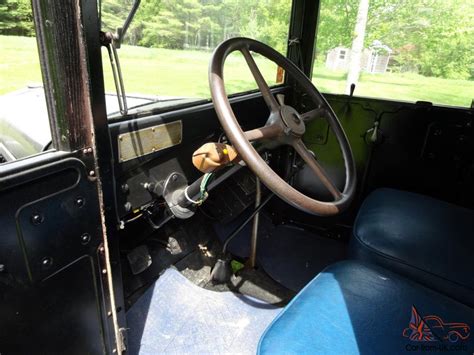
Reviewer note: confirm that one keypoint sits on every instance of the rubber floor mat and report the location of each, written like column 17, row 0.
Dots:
column 294, row 256
column 174, row 316
column 290, row 255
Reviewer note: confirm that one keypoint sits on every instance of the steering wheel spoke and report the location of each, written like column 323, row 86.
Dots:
column 261, row 83
column 316, row 168
column 265, row 132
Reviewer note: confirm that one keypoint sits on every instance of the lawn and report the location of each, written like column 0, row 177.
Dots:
column 166, row 72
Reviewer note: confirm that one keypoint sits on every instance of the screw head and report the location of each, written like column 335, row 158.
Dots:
column 85, row 238
column 37, row 218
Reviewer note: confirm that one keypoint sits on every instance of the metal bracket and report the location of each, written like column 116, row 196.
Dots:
column 173, row 188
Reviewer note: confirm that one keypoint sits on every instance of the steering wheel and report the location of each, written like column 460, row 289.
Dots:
column 285, row 126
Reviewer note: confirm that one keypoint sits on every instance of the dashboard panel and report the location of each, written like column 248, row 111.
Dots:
column 199, row 124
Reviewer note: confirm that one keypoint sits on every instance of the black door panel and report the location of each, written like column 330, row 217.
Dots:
column 50, row 281
column 427, row 150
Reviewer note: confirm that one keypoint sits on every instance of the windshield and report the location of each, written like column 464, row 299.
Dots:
column 166, row 51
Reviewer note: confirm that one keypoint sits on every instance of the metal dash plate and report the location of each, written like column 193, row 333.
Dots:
column 145, row 141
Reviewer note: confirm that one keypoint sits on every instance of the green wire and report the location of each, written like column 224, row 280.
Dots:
column 203, row 187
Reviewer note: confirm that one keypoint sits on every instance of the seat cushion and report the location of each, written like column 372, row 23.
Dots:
column 428, row 240
column 357, row 308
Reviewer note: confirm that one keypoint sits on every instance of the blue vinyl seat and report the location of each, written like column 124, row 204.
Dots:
column 357, row 308
column 427, row 240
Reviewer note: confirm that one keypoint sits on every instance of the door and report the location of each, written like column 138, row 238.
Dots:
column 58, row 259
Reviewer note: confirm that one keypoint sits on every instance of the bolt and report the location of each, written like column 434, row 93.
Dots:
column 149, row 186
column 85, row 238
column 47, row 262
column 80, row 202
column 37, row 218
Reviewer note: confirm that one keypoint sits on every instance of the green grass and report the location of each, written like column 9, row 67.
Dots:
column 154, row 71
column 399, row 86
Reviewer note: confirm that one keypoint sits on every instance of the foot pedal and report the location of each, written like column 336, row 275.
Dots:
column 176, row 245
column 139, row 259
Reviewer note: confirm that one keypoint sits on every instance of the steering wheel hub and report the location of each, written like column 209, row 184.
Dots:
column 292, row 120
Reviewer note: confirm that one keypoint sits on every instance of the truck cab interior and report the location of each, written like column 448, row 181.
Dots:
column 283, row 219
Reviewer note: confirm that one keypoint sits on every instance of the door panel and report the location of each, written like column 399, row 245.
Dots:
column 52, row 295
column 426, row 150
column 420, row 148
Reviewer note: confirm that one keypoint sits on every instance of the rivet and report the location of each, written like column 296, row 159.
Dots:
column 101, row 249
column 47, row 262
column 174, row 177
column 104, row 271
column 80, row 202
column 2, row 268
column 114, row 351
column 91, row 173
column 127, row 206
column 37, row 218
column 120, row 138
column 109, row 313
column 85, row 238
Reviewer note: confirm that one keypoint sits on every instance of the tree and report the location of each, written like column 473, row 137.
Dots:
column 16, row 18
column 357, row 45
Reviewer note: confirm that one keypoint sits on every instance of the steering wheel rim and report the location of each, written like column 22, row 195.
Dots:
column 284, row 126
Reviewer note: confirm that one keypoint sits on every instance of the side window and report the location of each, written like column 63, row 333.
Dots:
column 408, row 50
column 24, row 123
column 167, row 48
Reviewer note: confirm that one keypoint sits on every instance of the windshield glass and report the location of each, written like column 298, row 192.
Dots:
column 166, row 51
